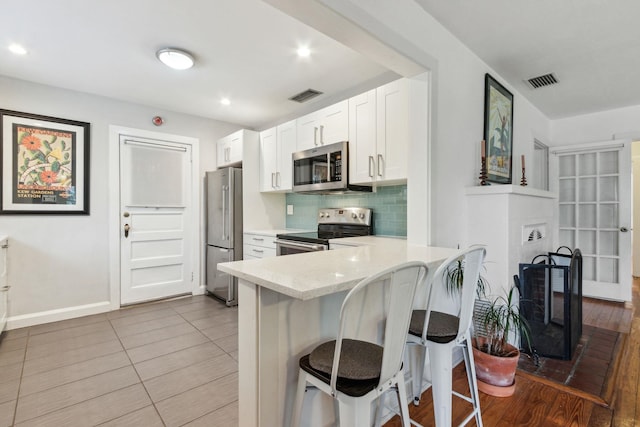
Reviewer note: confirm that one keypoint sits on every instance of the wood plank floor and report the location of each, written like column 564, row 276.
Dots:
column 539, row 403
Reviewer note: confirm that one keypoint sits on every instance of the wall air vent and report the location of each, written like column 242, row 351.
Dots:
column 305, row 96
column 541, row 81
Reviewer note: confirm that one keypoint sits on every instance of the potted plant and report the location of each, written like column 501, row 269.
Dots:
column 496, row 359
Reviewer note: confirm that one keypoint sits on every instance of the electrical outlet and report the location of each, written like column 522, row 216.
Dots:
column 289, row 209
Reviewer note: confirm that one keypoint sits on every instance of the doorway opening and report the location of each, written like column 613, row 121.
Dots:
column 154, row 240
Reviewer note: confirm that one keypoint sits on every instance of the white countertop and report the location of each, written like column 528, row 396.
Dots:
column 315, row 274
column 274, row 231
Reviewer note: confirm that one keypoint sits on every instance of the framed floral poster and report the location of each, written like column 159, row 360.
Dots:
column 44, row 164
column 498, row 130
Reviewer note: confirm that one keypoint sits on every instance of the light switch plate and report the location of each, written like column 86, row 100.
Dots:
column 289, row 209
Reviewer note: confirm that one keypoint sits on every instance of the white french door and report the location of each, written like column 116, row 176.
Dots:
column 593, row 182
column 155, row 227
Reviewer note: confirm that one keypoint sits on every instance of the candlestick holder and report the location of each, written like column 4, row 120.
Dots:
column 483, row 172
column 523, row 181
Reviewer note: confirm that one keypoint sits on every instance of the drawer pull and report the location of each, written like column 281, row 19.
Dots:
column 258, row 251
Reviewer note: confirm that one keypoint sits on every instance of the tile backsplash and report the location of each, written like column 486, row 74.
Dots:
column 389, row 206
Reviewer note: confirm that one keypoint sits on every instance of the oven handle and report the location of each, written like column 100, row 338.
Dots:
column 291, row 244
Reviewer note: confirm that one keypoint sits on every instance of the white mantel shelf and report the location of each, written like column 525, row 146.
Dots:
column 481, row 190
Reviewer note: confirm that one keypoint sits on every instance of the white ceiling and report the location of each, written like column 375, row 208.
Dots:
column 591, row 46
column 245, row 50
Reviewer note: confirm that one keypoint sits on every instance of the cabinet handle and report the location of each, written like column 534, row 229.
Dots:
column 315, row 135
column 278, row 179
column 260, row 251
column 272, row 179
column 380, row 161
column 258, row 239
column 321, row 134
column 4, row 288
column 371, row 163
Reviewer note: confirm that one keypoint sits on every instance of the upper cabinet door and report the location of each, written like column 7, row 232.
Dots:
column 276, row 146
column 334, row 123
column 222, row 151
column 229, row 149
column 268, row 159
column 392, row 123
column 286, row 146
column 235, row 147
column 322, row 127
column 307, row 132
column 362, row 138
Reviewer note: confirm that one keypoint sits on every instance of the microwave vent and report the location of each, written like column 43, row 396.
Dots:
column 306, row 95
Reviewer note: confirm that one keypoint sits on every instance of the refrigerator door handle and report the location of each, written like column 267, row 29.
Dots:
column 224, row 210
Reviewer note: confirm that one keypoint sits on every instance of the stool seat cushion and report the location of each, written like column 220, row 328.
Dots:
column 359, row 360
column 353, row 388
column 443, row 327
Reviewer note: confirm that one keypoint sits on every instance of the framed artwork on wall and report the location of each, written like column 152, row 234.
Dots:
column 498, row 130
column 44, row 164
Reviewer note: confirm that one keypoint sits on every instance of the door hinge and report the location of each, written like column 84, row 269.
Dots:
column 192, row 276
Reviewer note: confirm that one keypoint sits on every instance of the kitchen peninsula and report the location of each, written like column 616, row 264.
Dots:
column 289, row 304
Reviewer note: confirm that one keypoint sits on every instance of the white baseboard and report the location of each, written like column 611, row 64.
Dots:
column 15, row 322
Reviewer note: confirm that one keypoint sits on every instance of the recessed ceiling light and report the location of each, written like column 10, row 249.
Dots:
column 177, row 59
column 225, row 101
column 17, row 49
column 303, row 52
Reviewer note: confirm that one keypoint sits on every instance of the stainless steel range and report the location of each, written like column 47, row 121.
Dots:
column 333, row 223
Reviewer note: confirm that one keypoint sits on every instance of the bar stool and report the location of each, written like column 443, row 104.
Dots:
column 440, row 333
column 356, row 372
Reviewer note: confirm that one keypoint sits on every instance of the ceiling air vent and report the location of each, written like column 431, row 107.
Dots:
column 305, row 96
column 541, row 81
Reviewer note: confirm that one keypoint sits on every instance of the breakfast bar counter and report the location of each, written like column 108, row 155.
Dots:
column 288, row 305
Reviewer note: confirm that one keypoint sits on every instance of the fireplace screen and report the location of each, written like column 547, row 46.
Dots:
column 551, row 301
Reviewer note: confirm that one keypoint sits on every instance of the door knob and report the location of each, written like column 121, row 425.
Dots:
column 624, row 229
column 127, row 227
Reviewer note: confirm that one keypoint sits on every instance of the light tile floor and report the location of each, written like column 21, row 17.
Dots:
column 170, row 363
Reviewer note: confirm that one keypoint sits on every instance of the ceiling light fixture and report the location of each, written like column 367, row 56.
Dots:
column 17, row 49
column 177, row 59
column 225, row 101
column 303, row 52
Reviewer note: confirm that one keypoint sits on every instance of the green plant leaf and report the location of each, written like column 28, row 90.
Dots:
column 55, row 166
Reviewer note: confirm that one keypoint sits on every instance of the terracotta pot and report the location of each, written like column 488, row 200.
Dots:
column 494, row 370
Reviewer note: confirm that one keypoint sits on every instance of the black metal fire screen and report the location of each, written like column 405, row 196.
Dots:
column 551, row 301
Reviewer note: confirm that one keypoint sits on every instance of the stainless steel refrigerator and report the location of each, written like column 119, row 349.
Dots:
column 224, row 231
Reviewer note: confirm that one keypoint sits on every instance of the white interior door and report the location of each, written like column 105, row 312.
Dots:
column 593, row 182
column 155, row 207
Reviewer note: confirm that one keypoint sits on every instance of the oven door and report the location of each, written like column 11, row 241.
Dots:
column 289, row 247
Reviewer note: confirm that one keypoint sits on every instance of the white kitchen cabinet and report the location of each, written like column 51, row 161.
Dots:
column 4, row 285
column 258, row 246
column 379, row 134
column 276, row 146
column 230, row 148
column 362, row 137
column 322, row 127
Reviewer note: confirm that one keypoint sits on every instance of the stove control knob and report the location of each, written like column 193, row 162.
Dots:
column 354, row 215
column 321, row 214
column 361, row 216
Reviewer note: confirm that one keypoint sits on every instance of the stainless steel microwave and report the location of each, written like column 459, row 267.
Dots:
column 323, row 170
